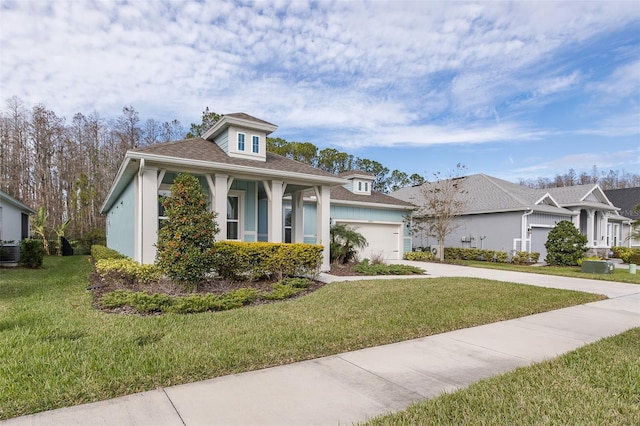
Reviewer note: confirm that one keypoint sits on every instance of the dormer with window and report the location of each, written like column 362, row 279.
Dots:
column 241, row 135
column 359, row 182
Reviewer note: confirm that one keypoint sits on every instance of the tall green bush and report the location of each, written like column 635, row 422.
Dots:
column 345, row 242
column 185, row 243
column 565, row 245
column 31, row 253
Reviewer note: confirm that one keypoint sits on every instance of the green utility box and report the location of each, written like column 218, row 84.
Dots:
column 597, row 267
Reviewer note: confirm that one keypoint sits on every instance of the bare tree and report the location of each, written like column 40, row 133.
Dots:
column 441, row 202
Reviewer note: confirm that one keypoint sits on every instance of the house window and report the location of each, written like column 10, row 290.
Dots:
column 366, row 186
column 162, row 216
column 287, row 225
column 359, row 186
column 233, row 217
column 255, row 144
column 240, row 141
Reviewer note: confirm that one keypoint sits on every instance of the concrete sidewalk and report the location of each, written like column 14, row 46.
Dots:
column 354, row 386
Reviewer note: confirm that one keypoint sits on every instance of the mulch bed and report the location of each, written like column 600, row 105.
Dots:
column 219, row 286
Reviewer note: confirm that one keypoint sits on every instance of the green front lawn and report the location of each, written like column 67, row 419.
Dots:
column 56, row 350
column 620, row 275
column 597, row 384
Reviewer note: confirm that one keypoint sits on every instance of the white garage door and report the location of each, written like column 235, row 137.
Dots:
column 383, row 239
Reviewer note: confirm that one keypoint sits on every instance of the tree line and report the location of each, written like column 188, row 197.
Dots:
column 67, row 167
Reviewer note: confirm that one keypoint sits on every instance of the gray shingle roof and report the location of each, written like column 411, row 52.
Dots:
column 245, row 116
column 340, row 193
column 204, row 150
column 626, row 199
column 486, row 194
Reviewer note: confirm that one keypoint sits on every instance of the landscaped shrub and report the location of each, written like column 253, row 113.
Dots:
column 99, row 252
column 185, row 242
column 521, row 257
column 127, row 270
column 31, row 253
column 460, row 253
column 418, row 255
column 624, row 253
column 242, row 260
column 635, row 258
column 565, row 245
column 366, row 268
column 587, row 258
column 150, row 303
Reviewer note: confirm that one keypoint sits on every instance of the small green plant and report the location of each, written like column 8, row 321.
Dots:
column 31, row 253
column 345, row 242
column 565, row 245
column 366, row 268
column 185, row 243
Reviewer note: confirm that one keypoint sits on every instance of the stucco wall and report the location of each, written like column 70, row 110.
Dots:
column 10, row 222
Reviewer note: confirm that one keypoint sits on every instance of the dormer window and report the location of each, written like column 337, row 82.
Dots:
column 366, row 187
column 255, row 144
column 240, row 141
column 359, row 186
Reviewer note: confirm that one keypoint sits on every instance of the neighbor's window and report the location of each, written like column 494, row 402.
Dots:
column 359, row 186
column 240, row 141
column 233, row 217
column 366, row 186
column 255, row 144
column 162, row 216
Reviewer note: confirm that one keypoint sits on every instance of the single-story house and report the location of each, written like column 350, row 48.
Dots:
column 14, row 226
column 627, row 199
column 257, row 195
column 500, row 215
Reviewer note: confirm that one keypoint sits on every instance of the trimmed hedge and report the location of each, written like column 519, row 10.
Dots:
column 459, row 253
column 99, row 252
column 421, row 256
column 627, row 254
column 237, row 260
column 127, row 270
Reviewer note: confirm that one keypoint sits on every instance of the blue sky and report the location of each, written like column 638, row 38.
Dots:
column 515, row 90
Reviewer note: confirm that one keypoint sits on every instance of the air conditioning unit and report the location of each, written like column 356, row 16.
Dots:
column 435, row 251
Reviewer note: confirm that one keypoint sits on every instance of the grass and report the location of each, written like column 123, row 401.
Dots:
column 597, row 384
column 56, row 350
column 619, row 275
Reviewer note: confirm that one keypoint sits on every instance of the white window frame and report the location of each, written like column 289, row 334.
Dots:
column 255, row 144
column 163, row 191
column 243, row 141
column 240, row 196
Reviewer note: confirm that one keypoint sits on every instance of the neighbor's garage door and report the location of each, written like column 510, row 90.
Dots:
column 538, row 239
column 383, row 239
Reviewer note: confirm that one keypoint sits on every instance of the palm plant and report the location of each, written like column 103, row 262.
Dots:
column 345, row 241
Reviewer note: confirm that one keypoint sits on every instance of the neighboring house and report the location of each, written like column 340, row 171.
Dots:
column 14, row 226
column 500, row 215
column 258, row 195
column 627, row 200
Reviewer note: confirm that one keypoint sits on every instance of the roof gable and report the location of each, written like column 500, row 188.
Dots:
column 626, row 199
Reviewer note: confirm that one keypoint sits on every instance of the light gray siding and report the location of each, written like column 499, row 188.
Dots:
column 121, row 222
column 495, row 231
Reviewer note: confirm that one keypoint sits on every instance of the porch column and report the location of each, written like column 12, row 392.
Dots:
column 604, row 229
column 147, row 213
column 297, row 218
column 590, row 227
column 323, row 224
column 220, row 203
column 274, row 192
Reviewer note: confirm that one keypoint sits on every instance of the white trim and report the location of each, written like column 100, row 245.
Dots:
column 241, row 206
